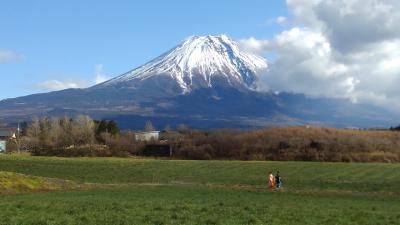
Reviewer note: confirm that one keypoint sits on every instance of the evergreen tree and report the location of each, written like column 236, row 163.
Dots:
column 102, row 127
column 112, row 127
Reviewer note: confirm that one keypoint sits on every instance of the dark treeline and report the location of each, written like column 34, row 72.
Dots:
column 82, row 136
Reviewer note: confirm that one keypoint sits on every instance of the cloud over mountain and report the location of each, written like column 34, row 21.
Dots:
column 337, row 48
column 100, row 77
column 56, row 85
column 61, row 84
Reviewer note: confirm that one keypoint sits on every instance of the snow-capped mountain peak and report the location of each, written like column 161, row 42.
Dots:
column 199, row 62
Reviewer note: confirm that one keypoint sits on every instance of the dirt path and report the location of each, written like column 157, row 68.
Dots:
column 252, row 188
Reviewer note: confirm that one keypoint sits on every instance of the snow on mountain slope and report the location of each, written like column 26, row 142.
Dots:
column 199, row 62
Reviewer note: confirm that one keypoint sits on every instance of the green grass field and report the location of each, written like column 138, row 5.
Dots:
column 138, row 191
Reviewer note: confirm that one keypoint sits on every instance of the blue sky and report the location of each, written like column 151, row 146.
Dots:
column 73, row 40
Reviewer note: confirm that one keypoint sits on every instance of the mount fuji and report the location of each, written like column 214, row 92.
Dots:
column 205, row 82
column 200, row 62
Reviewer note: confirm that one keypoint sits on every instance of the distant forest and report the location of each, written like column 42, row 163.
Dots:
column 83, row 136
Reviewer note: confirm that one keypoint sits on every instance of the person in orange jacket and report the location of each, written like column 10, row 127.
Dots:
column 271, row 181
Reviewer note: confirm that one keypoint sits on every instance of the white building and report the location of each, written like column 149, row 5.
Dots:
column 147, row 136
column 5, row 135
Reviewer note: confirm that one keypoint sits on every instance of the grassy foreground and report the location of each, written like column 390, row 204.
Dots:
column 133, row 191
column 14, row 183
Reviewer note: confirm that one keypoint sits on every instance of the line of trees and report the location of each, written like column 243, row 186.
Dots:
column 292, row 144
column 82, row 136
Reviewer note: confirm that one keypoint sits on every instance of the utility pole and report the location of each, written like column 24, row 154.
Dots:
column 18, row 146
column 106, row 139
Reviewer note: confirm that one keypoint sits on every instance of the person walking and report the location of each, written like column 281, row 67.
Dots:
column 278, row 179
column 271, row 181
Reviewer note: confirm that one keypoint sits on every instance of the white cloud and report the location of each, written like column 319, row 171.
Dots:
column 56, row 85
column 7, row 56
column 254, row 45
column 350, row 24
column 337, row 48
column 281, row 20
column 304, row 63
column 100, row 77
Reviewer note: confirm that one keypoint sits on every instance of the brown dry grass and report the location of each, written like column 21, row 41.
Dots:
column 294, row 143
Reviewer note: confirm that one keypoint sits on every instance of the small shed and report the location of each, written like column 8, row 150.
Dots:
column 158, row 150
column 5, row 135
column 147, row 136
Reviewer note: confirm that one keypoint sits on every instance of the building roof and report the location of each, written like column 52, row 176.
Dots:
column 148, row 132
column 7, row 132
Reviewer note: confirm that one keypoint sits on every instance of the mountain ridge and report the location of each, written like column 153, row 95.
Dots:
column 206, row 82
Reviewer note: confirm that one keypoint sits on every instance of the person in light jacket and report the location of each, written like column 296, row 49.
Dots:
column 271, row 181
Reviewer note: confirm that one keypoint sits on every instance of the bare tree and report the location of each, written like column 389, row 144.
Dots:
column 84, row 129
column 33, row 129
column 45, row 132
column 66, row 138
column 149, row 126
column 56, row 132
column 33, row 133
column 167, row 128
column 182, row 127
